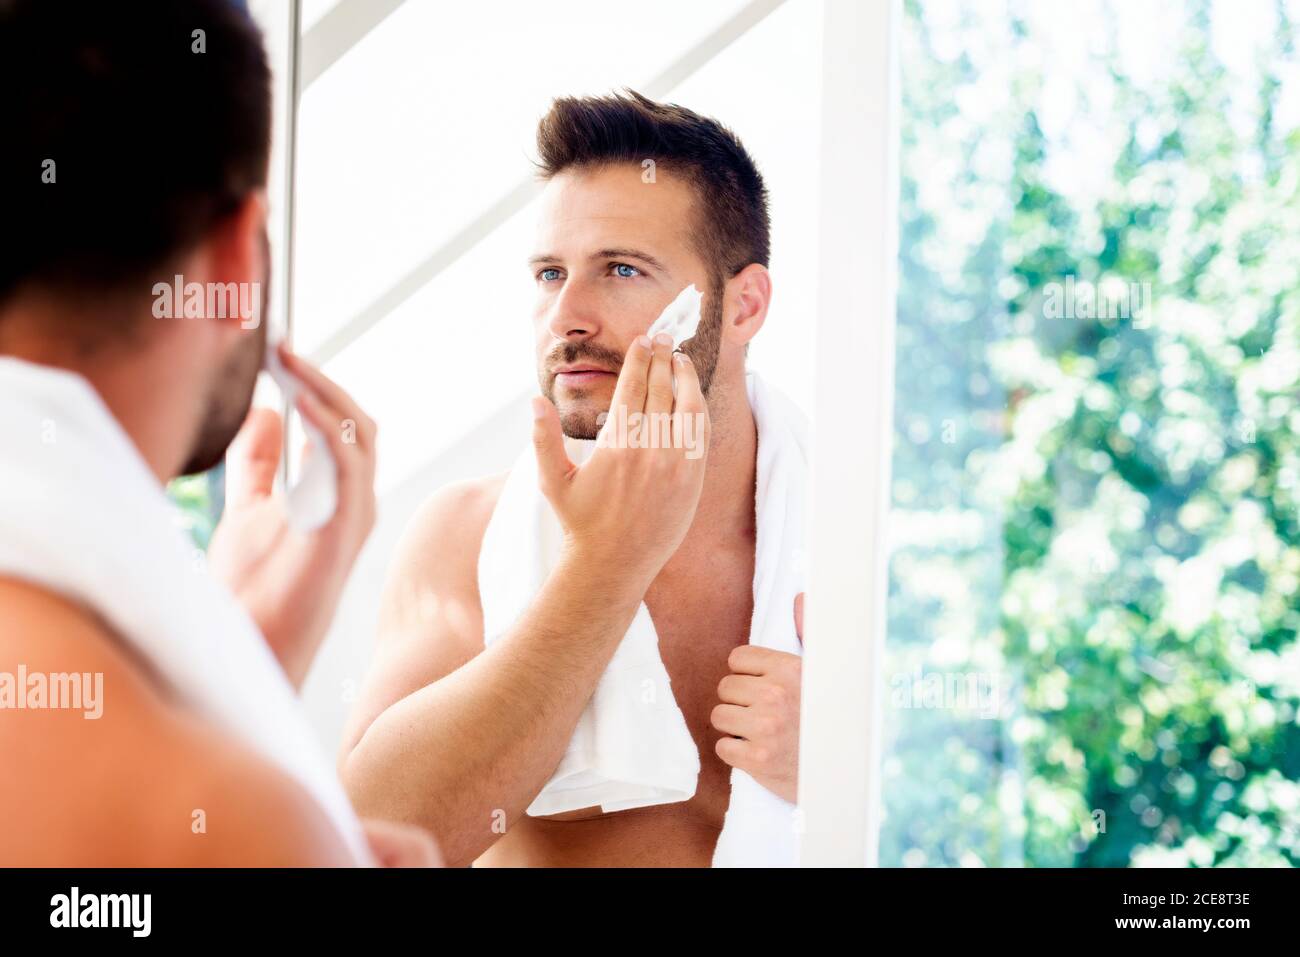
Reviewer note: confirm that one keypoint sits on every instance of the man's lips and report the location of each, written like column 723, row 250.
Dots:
column 580, row 374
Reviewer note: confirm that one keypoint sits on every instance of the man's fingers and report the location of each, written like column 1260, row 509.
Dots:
column 631, row 386
column 753, row 660
column 690, row 414
column 689, row 397
column 659, row 381
column 254, row 457
column 553, row 465
column 736, row 752
column 798, row 617
column 401, row 845
column 739, row 689
column 350, row 462
column 734, row 720
column 331, row 394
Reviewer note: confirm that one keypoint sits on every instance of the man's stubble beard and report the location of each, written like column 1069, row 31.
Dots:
column 581, row 418
column 229, row 399
column 230, row 392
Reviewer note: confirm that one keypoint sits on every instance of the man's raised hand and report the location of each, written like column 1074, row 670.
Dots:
column 632, row 502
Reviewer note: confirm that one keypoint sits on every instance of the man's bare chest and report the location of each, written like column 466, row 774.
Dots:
column 700, row 615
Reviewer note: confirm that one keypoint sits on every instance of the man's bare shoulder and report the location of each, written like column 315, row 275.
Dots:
column 440, row 546
column 439, row 551
column 142, row 782
column 430, row 620
column 458, row 514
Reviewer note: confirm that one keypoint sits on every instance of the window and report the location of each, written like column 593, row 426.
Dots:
column 1093, row 606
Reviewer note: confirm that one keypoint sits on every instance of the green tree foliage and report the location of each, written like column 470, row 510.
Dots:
column 198, row 500
column 1096, row 516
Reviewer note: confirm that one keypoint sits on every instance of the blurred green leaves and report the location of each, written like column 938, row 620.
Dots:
column 198, row 500
column 1111, row 526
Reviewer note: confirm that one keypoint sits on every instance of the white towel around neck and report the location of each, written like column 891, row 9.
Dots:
column 631, row 747
column 82, row 516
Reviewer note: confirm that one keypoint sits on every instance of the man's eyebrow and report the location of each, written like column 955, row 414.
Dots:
column 623, row 252
column 614, row 252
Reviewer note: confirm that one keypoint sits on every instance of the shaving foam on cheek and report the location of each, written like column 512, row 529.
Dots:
column 314, row 497
column 680, row 317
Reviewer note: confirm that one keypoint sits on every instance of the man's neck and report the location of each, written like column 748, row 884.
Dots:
column 135, row 387
column 725, row 514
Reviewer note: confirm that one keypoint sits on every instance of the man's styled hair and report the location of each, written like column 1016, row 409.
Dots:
column 595, row 131
column 130, row 130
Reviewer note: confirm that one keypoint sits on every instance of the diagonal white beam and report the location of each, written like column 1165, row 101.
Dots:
column 523, row 191
column 339, row 31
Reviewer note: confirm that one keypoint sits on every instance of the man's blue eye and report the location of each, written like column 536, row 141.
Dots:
column 549, row 275
column 631, row 270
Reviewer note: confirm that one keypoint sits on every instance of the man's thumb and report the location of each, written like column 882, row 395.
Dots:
column 254, row 457
column 798, row 616
column 548, row 442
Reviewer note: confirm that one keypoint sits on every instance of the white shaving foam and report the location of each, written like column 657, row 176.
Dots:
column 680, row 317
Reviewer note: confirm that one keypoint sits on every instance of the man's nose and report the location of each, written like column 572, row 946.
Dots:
column 575, row 313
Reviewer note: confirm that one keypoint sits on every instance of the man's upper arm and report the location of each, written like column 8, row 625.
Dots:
column 431, row 622
column 146, row 783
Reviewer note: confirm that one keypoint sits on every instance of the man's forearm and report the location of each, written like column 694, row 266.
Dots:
column 464, row 752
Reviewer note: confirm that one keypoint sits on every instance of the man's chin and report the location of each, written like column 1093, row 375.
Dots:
column 211, row 450
column 197, row 465
column 581, row 421
column 220, row 427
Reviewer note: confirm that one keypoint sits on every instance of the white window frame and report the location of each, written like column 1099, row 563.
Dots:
column 841, row 725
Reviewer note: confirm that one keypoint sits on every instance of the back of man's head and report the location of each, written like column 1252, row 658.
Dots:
column 129, row 131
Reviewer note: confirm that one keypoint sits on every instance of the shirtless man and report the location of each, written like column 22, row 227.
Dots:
column 449, row 734
column 155, row 160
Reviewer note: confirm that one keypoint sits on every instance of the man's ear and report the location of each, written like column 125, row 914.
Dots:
column 237, row 249
column 745, row 301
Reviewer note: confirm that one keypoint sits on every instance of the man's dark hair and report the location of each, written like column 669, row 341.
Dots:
column 149, row 143
column 593, row 131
